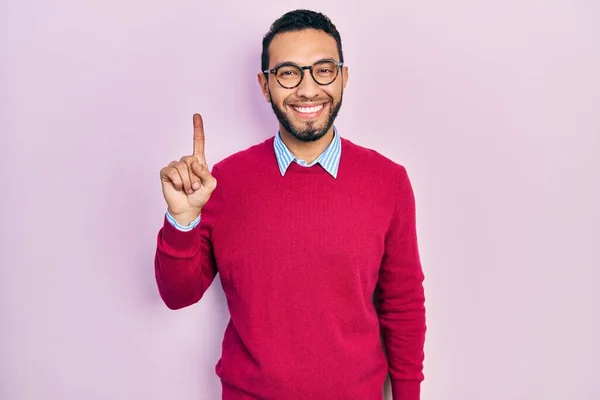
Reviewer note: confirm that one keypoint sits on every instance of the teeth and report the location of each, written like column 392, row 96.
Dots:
column 308, row 110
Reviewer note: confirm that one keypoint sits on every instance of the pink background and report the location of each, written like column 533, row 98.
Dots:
column 493, row 107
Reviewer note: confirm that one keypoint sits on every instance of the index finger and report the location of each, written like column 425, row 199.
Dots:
column 198, row 137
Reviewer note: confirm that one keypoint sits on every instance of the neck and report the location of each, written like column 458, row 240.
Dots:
column 307, row 151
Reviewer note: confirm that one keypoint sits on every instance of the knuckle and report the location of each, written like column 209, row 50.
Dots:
column 182, row 167
column 174, row 176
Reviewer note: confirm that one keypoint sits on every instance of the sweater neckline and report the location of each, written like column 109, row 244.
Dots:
column 294, row 167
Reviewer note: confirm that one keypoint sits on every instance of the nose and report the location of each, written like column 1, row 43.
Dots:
column 308, row 88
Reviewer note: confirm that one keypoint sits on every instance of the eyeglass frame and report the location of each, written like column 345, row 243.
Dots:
column 274, row 71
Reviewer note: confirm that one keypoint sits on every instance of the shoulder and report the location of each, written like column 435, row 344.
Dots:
column 373, row 161
column 388, row 176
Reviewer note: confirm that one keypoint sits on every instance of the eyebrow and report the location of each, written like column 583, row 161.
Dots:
column 293, row 63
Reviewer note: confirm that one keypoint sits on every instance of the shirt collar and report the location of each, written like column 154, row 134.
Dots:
column 329, row 159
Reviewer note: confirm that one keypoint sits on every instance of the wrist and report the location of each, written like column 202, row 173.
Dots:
column 185, row 218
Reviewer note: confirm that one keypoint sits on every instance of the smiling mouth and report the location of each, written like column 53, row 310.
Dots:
column 311, row 112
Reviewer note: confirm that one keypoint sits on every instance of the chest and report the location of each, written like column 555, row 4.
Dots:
column 282, row 237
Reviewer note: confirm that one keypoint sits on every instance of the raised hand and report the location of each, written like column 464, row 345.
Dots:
column 187, row 184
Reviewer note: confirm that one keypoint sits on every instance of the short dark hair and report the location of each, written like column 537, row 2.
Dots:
column 299, row 20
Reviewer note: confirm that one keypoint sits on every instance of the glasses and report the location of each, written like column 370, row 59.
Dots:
column 290, row 75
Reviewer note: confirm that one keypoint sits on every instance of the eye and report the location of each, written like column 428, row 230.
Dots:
column 325, row 69
column 287, row 72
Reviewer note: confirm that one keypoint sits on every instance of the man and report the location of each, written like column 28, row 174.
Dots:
column 313, row 236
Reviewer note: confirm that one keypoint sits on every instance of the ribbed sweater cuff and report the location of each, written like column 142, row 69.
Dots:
column 402, row 390
column 183, row 243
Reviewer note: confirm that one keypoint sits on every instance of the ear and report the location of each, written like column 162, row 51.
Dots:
column 345, row 75
column 264, row 86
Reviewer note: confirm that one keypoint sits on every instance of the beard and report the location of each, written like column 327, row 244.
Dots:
column 310, row 132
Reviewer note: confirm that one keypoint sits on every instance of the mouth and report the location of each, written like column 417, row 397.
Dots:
column 307, row 112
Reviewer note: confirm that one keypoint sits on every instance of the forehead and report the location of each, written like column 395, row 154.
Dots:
column 302, row 47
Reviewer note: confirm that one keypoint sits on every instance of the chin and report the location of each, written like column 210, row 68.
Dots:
column 308, row 134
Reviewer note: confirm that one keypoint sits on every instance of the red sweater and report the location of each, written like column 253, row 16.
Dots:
column 312, row 267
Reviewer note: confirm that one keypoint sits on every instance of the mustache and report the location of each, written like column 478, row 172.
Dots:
column 306, row 101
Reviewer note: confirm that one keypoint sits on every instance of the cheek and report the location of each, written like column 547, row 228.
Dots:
column 280, row 98
column 333, row 91
column 333, row 96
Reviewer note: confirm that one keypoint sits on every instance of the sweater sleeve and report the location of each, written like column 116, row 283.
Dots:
column 184, row 263
column 400, row 298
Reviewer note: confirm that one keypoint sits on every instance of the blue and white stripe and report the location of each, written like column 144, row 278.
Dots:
column 329, row 160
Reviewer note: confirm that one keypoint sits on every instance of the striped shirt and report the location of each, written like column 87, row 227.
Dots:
column 329, row 160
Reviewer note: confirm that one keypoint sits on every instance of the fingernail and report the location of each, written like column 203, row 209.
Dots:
column 196, row 185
